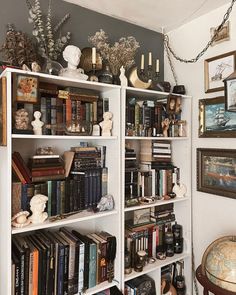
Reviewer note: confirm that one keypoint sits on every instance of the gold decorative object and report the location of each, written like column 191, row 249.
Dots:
column 86, row 60
column 136, row 82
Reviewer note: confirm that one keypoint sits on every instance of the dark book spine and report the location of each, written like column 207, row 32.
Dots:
column 67, row 195
column 60, row 270
column 48, row 115
column 58, row 197
column 54, row 198
column 62, row 193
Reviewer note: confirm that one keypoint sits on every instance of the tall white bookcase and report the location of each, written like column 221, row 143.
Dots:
column 85, row 222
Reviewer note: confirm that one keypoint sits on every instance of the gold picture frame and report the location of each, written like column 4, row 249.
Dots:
column 216, row 69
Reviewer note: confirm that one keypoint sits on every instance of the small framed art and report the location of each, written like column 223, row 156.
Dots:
column 230, row 93
column 26, row 88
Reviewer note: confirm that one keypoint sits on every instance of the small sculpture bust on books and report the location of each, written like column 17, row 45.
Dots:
column 37, row 124
column 72, row 55
column 106, row 124
column 37, row 206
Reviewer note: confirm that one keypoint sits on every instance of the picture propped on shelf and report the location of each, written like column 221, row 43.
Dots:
column 216, row 171
column 217, row 69
column 174, row 104
column 214, row 120
column 25, row 88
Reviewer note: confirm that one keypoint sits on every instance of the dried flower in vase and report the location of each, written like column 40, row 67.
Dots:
column 18, row 48
column 49, row 46
column 120, row 54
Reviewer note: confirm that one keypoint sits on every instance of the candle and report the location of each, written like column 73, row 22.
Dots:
column 157, row 66
column 150, row 59
column 93, row 55
column 142, row 62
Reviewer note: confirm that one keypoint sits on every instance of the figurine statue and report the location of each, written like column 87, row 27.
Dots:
column 180, row 190
column 106, row 203
column 21, row 119
column 37, row 206
column 37, row 124
column 106, row 124
column 123, row 79
column 165, row 126
column 72, row 55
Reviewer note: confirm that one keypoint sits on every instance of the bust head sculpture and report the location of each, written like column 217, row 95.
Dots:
column 106, row 124
column 37, row 124
column 37, row 206
column 71, row 55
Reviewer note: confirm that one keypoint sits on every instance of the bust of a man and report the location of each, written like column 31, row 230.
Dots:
column 71, row 55
column 37, row 206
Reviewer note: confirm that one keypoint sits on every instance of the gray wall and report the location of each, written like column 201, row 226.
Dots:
column 83, row 23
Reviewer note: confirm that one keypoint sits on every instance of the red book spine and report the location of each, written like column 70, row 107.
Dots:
column 19, row 162
column 48, row 172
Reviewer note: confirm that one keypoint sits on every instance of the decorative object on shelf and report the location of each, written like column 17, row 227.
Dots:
column 25, row 88
column 222, row 35
column 123, row 79
column 86, row 60
column 216, row 171
column 105, row 75
column 165, row 126
column 46, row 150
column 218, row 263
column 35, row 67
column 142, row 257
column 92, row 75
column 217, row 68
column 37, row 206
column 37, row 124
column 167, row 288
column 182, row 128
column 122, row 53
column 128, row 268
column 136, row 82
column 72, row 54
column 177, row 230
column 150, row 75
column 214, row 120
column 106, row 124
column 230, row 92
column 179, row 89
column 180, row 190
column 82, row 128
column 20, row 219
column 106, row 203
column 49, row 46
column 21, row 119
column 96, row 130
column 18, row 48
column 173, row 104
column 52, row 67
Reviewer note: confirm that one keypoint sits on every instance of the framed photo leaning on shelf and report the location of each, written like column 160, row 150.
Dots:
column 25, row 88
column 217, row 69
column 230, row 93
column 216, row 171
column 214, row 120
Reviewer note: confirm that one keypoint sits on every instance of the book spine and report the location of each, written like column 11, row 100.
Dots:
column 48, row 115
column 49, row 203
column 104, row 181
column 81, row 268
column 92, row 265
column 43, row 110
column 58, row 183
column 48, row 172
column 71, row 269
column 62, row 193
column 60, row 277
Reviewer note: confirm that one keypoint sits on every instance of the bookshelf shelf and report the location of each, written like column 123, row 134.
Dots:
column 157, row 203
column 157, row 138
column 156, row 265
column 101, row 287
column 79, row 217
column 63, row 137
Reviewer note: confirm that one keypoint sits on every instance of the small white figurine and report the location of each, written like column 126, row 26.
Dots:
column 180, row 190
column 37, row 206
column 106, row 124
column 37, row 124
column 123, row 79
column 72, row 55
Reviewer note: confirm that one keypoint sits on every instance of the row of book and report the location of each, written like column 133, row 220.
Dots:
column 61, row 109
column 61, row 262
column 78, row 192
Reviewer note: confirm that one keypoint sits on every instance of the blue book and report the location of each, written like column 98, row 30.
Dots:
column 92, row 262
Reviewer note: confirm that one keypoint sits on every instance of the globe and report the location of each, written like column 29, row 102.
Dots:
column 219, row 263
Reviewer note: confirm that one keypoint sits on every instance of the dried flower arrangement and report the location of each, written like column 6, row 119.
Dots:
column 18, row 48
column 120, row 54
column 49, row 46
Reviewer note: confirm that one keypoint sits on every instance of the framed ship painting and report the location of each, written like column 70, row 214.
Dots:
column 216, row 171
column 214, row 120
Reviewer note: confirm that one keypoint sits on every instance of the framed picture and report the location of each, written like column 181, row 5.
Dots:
column 26, row 88
column 230, row 93
column 216, row 172
column 223, row 34
column 174, row 104
column 3, row 111
column 214, row 120
column 217, row 69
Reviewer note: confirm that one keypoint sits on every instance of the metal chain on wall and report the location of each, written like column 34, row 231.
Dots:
column 170, row 51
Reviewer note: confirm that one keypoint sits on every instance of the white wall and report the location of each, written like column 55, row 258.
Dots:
column 213, row 216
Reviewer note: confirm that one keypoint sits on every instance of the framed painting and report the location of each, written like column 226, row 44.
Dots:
column 217, row 69
column 26, row 88
column 230, row 93
column 214, row 120
column 216, row 171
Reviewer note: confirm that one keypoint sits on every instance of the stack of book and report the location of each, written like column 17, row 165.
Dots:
column 61, row 262
column 46, row 167
column 155, row 151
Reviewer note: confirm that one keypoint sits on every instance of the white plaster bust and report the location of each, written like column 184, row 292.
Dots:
column 71, row 55
column 106, row 124
column 123, row 79
column 37, row 206
column 37, row 124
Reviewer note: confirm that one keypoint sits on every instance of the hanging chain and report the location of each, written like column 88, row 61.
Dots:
column 193, row 60
column 170, row 62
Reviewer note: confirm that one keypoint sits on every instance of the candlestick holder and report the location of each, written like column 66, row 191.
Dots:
column 92, row 76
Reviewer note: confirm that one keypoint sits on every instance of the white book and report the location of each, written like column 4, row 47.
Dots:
column 161, row 151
